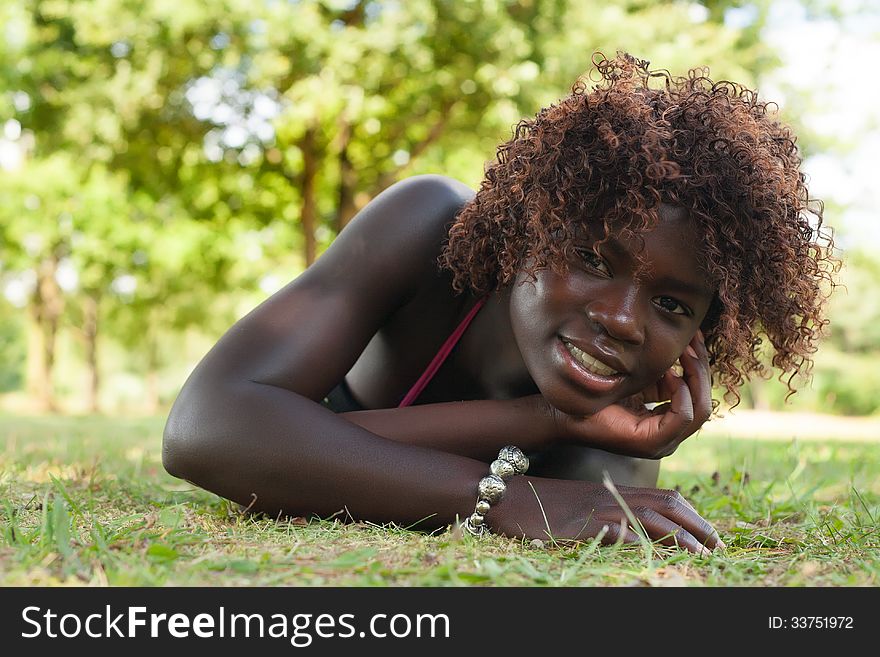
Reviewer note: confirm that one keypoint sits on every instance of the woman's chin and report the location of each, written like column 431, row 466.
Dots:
column 579, row 406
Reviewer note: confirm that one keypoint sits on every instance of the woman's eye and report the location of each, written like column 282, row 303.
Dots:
column 594, row 262
column 671, row 305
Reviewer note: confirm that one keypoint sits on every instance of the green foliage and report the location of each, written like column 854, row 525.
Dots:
column 841, row 384
column 182, row 156
column 848, row 384
column 855, row 306
column 12, row 349
column 846, row 376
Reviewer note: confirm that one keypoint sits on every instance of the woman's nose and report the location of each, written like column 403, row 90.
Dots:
column 617, row 314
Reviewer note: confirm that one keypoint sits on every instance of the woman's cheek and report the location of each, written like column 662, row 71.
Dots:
column 669, row 361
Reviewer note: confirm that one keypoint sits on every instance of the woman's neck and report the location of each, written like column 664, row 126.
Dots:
column 490, row 354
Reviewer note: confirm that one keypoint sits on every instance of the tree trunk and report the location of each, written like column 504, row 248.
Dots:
column 153, row 401
column 346, row 207
column 35, row 383
column 760, row 398
column 309, row 217
column 90, row 333
column 753, row 395
column 47, row 304
column 436, row 131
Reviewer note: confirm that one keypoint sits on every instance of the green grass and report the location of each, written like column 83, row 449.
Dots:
column 85, row 501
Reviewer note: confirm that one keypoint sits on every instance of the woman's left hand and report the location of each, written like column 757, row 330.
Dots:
column 629, row 428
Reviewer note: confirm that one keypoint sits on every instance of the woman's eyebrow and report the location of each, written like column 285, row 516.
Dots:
column 682, row 286
column 612, row 246
column 615, row 248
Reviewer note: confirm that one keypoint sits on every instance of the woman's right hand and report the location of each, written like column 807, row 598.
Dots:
column 630, row 428
column 566, row 510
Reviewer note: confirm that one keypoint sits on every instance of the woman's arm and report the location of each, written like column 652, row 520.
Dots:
column 247, row 424
column 477, row 429
column 277, row 452
column 480, row 428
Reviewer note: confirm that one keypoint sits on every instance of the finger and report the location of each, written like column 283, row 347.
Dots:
column 700, row 346
column 671, row 422
column 634, row 403
column 695, row 416
column 632, row 491
column 672, row 505
column 679, row 414
column 688, row 503
column 695, row 365
column 666, row 532
column 659, row 432
column 667, row 384
column 612, row 531
column 652, row 393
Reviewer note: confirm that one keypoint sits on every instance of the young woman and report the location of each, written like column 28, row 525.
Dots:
column 623, row 232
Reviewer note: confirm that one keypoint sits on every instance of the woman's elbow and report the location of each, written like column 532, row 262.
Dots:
column 203, row 441
column 177, row 449
column 187, row 445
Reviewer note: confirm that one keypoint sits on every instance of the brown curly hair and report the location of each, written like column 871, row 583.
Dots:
column 608, row 156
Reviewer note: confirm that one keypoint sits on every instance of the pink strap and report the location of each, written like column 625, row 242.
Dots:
column 445, row 350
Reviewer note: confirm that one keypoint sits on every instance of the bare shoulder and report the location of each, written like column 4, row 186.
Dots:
column 436, row 193
column 398, row 234
column 444, row 191
column 306, row 336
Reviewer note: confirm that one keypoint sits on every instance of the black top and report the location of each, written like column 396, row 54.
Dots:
column 340, row 399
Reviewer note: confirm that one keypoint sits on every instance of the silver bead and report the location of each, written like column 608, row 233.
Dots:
column 482, row 507
column 476, row 519
column 471, row 529
column 491, row 488
column 515, row 455
column 504, row 469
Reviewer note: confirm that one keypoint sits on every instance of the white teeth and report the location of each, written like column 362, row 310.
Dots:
column 590, row 363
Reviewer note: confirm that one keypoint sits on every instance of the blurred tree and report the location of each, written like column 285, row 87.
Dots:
column 855, row 306
column 365, row 88
column 177, row 150
column 35, row 241
column 12, row 348
column 105, row 83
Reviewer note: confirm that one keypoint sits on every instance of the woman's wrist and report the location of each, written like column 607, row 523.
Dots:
column 552, row 422
column 518, row 513
column 511, row 462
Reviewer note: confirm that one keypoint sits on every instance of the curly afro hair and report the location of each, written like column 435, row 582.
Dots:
column 606, row 157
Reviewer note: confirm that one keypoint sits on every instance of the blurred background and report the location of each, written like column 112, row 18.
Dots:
column 165, row 165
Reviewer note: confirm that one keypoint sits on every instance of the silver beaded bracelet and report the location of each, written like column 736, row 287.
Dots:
column 490, row 490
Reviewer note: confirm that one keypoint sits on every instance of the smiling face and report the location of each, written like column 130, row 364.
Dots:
column 607, row 330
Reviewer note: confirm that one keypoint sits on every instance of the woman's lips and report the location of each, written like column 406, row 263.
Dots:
column 592, row 364
column 591, row 373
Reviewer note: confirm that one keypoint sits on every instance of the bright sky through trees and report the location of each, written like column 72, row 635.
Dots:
column 165, row 157
column 828, row 70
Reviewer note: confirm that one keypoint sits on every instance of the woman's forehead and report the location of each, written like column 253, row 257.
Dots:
column 672, row 243
column 595, row 227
